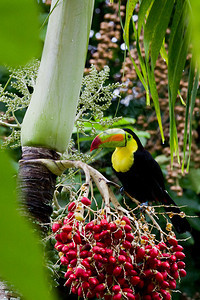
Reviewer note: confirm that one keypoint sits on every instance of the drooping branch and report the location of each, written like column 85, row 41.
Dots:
column 57, row 167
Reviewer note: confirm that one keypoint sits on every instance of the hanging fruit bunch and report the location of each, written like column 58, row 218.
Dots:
column 109, row 253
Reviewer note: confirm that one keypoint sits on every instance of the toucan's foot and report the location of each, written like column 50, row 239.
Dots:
column 121, row 190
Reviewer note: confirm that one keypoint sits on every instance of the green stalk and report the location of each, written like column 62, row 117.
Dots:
column 49, row 119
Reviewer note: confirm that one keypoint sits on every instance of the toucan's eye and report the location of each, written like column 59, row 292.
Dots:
column 129, row 136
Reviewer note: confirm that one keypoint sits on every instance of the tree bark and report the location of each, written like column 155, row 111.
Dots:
column 36, row 185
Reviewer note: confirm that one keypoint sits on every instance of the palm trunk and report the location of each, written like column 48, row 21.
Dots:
column 49, row 120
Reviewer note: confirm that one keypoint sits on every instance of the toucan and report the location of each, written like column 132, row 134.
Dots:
column 139, row 173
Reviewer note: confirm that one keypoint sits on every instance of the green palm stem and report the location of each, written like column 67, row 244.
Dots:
column 49, row 120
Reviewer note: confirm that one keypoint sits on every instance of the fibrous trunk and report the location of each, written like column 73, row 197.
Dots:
column 36, row 184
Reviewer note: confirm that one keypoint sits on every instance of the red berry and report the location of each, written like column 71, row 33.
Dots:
column 71, row 254
column 173, row 258
column 135, row 280
column 177, row 248
column 118, row 234
column 70, row 215
column 179, row 255
column 89, row 226
column 164, row 274
column 159, row 276
column 77, row 238
column 103, row 234
column 132, row 273
column 172, row 284
column 72, row 277
column 148, row 273
column 64, row 236
column 116, row 289
column 68, row 273
column 104, row 223
column 65, row 249
column 140, row 254
column 153, row 253
column 166, row 295
column 56, row 227
column 162, row 246
column 126, row 244
column 127, row 228
column 74, row 290
column 155, row 296
column 72, row 206
column 96, row 236
column 112, row 226
column 90, row 294
column 97, row 228
column 130, row 296
column 128, row 266
column 165, row 284
column 85, row 286
column 93, row 281
column 117, row 296
column 126, row 219
column 129, row 237
column 84, row 254
column 174, row 267
column 68, row 282
column 175, row 275
column 127, row 290
column 85, row 263
column 86, row 201
column 112, row 259
column 99, row 288
column 117, row 270
column 150, row 287
column 173, row 241
column 182, row 273
column 80, row 292
column 58, row 246
column 165, row 265
column 64, row 261
column 121, row 258
column 109, row 252
column 181, row 264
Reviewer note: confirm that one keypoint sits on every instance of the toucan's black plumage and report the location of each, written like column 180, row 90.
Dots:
column 144, row 179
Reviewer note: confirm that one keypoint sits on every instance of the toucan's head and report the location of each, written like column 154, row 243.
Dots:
column 115, row 137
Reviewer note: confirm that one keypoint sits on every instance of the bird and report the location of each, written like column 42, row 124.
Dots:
column 138, row 171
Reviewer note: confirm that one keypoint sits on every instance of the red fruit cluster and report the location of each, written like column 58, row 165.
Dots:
column 111, row 260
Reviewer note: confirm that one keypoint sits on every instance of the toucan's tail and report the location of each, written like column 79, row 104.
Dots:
column 180, row 223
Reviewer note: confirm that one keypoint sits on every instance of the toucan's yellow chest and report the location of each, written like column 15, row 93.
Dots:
column 123, row 157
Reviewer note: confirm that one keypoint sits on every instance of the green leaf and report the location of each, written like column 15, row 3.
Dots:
column 194, row 180
column 21, row 262
column 130, row 6
column 145, row 5
column 19, row 31
column 142, row 63
column 178, row 47
column 193, row 98
column 163, row 52
column 155, row 98
column 195, row 27
column 155, row 29
column 189, row 91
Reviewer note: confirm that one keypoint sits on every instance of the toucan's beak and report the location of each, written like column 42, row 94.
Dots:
column 110, row 138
